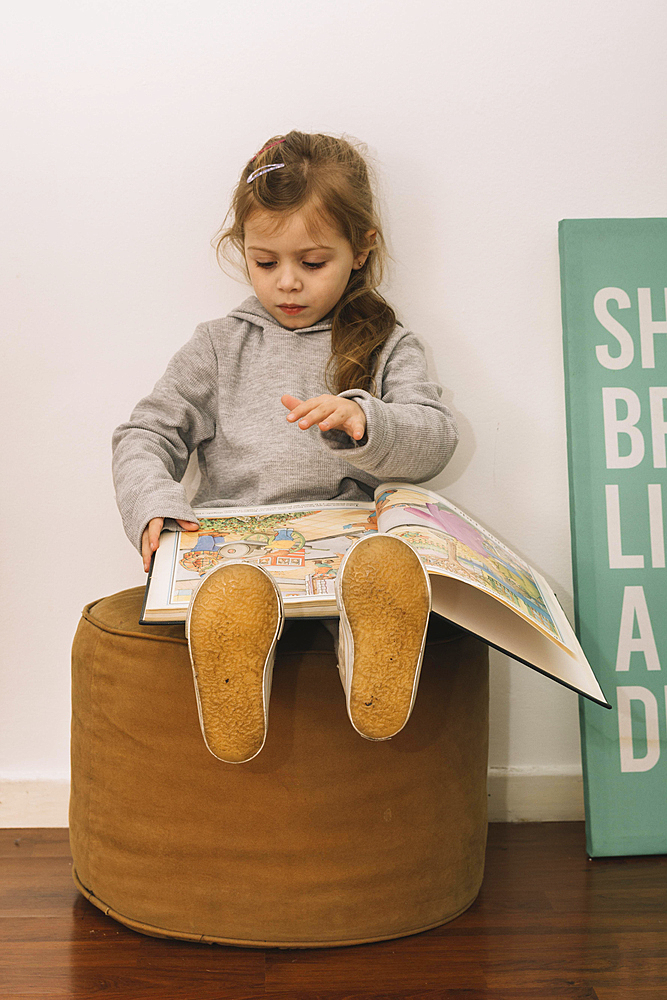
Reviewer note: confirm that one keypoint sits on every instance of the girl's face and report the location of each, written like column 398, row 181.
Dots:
column 296, row 277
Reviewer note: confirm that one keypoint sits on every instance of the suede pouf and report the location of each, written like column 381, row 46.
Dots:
column 323, row 839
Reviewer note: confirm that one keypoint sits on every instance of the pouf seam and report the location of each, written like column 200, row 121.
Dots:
column 162, row 932
column 93, row 758
column 88, row 814
column 126, row 632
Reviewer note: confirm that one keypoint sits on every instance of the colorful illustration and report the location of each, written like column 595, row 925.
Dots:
column 303, row 549
column 451, row 543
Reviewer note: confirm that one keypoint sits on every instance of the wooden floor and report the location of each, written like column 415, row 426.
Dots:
column 549, row 923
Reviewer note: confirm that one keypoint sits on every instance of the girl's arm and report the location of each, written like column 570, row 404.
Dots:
column 410, row 433
column 151, row 450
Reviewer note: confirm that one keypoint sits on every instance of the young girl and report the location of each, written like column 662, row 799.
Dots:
column 310, row 390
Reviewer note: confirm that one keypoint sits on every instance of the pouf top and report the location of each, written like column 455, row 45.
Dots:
column 119, row 615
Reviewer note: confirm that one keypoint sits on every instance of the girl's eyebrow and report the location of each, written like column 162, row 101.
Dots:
column 304, row 250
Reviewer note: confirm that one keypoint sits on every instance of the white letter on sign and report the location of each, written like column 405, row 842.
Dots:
column 614, row 542
column 648, row 327
column 612, row 325
column 658, row 395
column 634, row 606
column 614, row 427
column 629, row 762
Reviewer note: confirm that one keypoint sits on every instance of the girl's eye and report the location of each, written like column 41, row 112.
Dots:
column 312, row 265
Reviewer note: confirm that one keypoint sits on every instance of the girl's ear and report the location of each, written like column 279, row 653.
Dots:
column 369, row 237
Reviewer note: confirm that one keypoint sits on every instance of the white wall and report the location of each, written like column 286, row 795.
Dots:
column 125, row 125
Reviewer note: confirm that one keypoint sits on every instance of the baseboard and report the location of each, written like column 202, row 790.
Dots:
column 529, row 795
column 33, row 803
column 516, row 795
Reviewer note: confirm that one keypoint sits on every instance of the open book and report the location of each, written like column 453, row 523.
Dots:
column 477, row 582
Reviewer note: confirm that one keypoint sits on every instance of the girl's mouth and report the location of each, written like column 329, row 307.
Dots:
column 291, row 310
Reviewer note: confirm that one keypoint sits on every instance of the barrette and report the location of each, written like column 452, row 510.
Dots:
column 270, row 146
column 264, row 170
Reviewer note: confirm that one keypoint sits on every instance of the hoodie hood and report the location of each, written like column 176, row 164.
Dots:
column 251, row 310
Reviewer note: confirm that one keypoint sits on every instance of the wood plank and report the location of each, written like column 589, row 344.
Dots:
column 35, row 843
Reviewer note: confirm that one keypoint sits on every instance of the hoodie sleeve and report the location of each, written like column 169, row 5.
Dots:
column 151, row 450
column 410, row 433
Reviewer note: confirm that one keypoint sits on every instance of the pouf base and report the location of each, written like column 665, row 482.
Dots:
column 161, row 932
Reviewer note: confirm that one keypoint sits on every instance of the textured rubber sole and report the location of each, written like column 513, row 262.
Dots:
column 232, row 627
column 387, row 604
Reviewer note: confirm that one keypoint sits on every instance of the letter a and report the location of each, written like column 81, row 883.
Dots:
column 634, row 607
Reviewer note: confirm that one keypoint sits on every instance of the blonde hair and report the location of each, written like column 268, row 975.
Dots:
column 329, row 178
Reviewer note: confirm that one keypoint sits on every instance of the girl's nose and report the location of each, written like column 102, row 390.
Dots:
column 288, row 279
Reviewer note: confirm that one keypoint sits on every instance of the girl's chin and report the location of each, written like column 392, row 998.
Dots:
column 294, row 321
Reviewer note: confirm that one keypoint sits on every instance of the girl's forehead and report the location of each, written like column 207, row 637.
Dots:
column 300, row 227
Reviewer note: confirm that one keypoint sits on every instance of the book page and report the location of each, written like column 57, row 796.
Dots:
column 477, row 612
column 451, row 544
column 301, row 546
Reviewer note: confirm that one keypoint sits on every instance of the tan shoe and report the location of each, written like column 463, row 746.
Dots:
column 384, row 600
column 234, row 622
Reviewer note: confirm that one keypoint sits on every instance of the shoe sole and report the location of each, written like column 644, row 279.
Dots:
column 386, row 598
column 233, row 626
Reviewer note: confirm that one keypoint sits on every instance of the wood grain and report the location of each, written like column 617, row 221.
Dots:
column 549, row 923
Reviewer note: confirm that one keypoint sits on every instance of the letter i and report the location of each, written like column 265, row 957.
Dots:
column 656, row 525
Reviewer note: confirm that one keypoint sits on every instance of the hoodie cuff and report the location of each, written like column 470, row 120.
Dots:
column 170, row 504
column 373, row 447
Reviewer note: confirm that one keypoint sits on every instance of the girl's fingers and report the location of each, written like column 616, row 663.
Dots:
column 187, row 525
column 351, row 424
column 304, row 409
column 337, row 418
column 154, row 529
column 146, row 551
column 356, row 432
column 289, row 401
column 329, row 412
column 150, row 540
column 317, row 415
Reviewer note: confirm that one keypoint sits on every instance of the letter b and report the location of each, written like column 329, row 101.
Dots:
column 615, row 426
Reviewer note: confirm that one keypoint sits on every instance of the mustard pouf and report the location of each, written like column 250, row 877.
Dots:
column 323, row 839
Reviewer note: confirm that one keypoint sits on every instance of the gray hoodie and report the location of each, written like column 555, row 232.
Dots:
column 221, row 395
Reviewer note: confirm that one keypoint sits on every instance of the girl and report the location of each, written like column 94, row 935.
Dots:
column 310, row 390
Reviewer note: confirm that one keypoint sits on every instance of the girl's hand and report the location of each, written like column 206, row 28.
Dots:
column 150, row 540
column 328, row 412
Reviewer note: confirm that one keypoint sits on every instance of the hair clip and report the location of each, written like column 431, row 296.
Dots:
column 270, row 146
column 264, row 170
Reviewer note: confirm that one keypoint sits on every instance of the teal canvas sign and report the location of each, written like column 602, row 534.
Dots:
column 614, row 300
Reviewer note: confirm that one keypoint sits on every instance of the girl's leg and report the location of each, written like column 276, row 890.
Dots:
column 331, row 625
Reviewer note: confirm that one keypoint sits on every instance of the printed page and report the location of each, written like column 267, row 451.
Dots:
column 302, row 547
column 491, row 620
column 451, row 544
